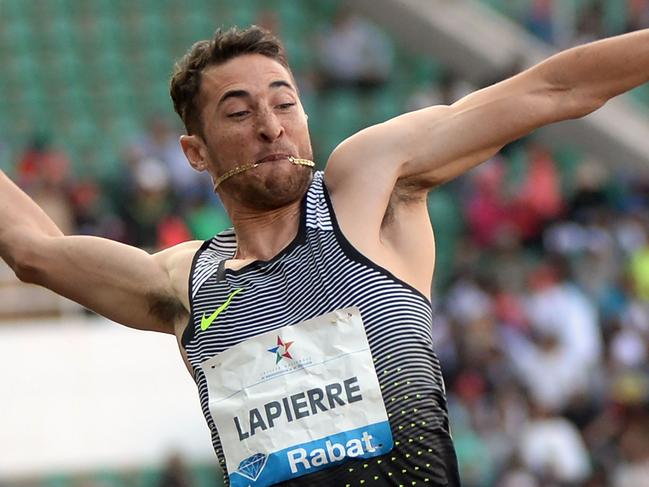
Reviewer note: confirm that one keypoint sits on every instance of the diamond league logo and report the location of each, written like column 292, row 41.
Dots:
column 252, row 467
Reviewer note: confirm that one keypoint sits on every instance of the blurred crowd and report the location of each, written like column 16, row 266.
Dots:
column 544, row 329
column 542, row 324
column 155, row 199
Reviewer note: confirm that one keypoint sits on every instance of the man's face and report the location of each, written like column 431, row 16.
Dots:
column 251, row 112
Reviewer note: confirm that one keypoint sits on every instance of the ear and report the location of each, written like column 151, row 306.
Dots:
column 195, row 151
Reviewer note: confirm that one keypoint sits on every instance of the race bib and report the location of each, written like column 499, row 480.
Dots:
column 297, row 400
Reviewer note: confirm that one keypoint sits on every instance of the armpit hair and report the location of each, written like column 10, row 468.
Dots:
column 167, row 309
column 404, row 193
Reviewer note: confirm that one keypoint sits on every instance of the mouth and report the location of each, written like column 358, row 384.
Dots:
column 274, row 157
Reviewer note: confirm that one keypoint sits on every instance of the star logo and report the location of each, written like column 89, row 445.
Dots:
column 281, row 350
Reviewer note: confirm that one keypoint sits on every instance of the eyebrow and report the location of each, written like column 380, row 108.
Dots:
column 245, row 94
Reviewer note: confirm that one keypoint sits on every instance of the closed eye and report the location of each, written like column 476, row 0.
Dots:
column 242, row 113
column 286, row 106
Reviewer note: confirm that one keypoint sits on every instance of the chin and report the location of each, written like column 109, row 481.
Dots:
column 274, row 187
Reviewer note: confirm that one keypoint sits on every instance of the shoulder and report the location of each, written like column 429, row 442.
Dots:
column 176, row 261
column 379, row 209
column 381, row 152
column 170, row 257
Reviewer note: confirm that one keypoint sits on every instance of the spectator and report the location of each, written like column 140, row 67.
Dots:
column 557, row 306
column 487, row 208
column 175, row 473
column 160, row 143
column 552, row 447
column 517, row 475
column 550, row 371
column 640, row 272
column 540, row 20
column 147, row 200
column 44, row 172
column 42, row 165
column 634, row 471
column 637, row 14
column 539, row 198
column 353, row 54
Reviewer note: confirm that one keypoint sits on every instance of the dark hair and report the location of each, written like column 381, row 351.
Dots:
column 185, row 83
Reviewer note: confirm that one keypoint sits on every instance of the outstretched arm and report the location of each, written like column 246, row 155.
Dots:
column 428, row 147
column 120, row 282
column 378, row 179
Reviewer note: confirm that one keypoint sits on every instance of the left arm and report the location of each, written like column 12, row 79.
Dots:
column 431, row 146
column 378, row 179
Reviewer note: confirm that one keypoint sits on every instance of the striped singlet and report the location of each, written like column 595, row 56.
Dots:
column 320, row 272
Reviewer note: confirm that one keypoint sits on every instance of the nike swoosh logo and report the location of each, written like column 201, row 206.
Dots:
column 206, row 321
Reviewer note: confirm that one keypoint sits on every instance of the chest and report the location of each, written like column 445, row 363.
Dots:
column 316, row 278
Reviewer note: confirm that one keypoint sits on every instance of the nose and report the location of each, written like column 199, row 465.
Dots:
column 269, row 126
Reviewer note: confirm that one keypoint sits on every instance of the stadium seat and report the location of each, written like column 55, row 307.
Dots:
column 240, row 13
column 447, row 218
column 63, row 68
column 97, row 69
column 18, row 36
column 341, row 115
column 62, row 32
column 386, row 104
column 109, row 31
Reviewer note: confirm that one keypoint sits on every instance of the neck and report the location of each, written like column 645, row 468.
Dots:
column 261, row 235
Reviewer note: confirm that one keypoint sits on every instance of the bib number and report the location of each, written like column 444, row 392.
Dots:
column 297, row 400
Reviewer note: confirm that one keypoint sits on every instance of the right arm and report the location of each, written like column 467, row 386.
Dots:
column 118, row 281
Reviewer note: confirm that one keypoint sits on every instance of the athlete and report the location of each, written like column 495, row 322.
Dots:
column 307, row 327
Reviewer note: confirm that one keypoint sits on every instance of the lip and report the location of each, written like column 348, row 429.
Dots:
column 273, row 157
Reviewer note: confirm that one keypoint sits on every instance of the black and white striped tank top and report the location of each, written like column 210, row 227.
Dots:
column 320, row 272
